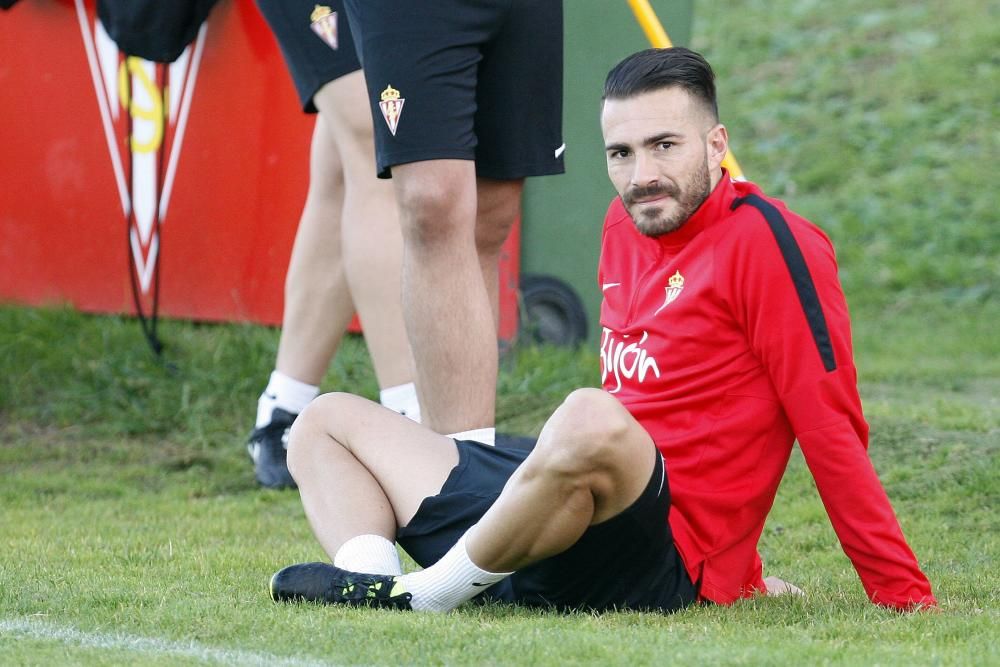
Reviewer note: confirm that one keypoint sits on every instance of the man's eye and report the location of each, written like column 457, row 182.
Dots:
column 665, row 145
column 618, row 155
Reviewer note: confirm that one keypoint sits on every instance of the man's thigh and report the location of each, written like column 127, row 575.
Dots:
column 627, row 562
column 408, row 460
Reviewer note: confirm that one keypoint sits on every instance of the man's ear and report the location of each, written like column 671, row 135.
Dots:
column 717, row 142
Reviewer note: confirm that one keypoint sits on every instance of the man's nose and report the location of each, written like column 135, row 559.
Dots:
column 644, row 170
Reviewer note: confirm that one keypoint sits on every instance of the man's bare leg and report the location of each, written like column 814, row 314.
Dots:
column 318, row 306
column 347, row 252
column 371, row 238
column 445, row 301
column 498, row 205
column 592, row 461
column 363, row 469
column 317, row 311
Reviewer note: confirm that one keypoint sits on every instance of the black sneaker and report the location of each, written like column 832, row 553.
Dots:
column 267, row 447
column 322, row 582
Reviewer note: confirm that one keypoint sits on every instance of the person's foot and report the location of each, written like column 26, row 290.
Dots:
column 322, row 582
column 268, row 446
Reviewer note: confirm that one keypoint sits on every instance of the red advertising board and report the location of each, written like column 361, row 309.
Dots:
column 210, row 186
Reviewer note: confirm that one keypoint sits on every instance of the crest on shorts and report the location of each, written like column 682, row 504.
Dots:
column 323, row 22
column 392, row 107
column 675, row 285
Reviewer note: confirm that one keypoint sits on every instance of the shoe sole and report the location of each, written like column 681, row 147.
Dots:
column 270, row 588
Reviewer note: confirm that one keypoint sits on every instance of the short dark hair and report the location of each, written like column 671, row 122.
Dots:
column 653, row 69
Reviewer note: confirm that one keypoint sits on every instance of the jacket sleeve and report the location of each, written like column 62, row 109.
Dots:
column 786, row 293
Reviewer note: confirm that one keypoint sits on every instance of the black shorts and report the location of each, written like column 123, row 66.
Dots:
column 315, row 40
column 627, row 562
column 454, row 79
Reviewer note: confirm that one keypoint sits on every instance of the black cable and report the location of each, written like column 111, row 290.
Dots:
column 148, row 325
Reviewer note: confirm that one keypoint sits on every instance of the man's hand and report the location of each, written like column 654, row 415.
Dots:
column 776, row 587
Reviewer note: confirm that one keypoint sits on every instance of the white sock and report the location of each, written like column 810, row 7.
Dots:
column 487, row 436
column 403, row 399
column 286, row 393
column 373, row 554
column 449, row 582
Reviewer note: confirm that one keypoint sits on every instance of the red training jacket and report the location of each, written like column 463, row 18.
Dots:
column 728, row 339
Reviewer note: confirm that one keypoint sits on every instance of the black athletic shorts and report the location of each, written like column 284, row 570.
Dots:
column 315, row 40
column 626, row 562
column 453, row 79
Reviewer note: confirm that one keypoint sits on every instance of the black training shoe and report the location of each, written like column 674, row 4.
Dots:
column 322, row 582
column 267, row 447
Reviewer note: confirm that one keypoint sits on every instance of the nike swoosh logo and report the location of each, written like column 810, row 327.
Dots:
column 480, row 585
column 560, row 150
column 606, row 286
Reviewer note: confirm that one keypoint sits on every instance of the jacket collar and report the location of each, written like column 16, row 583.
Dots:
column 713, row 209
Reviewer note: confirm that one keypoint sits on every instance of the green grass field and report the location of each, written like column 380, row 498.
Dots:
column 132, row 530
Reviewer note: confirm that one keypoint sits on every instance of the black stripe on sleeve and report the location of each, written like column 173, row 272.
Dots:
column 804, row 285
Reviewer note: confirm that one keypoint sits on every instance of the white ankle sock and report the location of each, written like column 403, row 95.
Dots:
column 373, row 554
column 449, row 582
column 403, row 399
column 487, row 436
column 285, row 393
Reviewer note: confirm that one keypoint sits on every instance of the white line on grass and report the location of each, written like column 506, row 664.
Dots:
column 35, row 629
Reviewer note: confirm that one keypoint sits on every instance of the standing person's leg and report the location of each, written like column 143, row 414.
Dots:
column 454, row 88
column 318, row 305
column 316, row 314
column 421, row 62
column 447, row 307
column 324, row 273
column 518, row 120
column 371, row 240
column 498, row 206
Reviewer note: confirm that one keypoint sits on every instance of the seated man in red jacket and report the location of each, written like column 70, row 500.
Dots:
column 725, row 339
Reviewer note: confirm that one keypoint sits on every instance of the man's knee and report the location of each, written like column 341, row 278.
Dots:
column 585, row 432
column 498, row 205
column 342, row 104
column 435, row 210
column 311, row 431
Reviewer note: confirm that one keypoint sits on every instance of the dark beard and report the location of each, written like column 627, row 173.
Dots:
column 652, row 222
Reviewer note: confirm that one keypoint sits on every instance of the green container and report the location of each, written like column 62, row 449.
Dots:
column 562, row 215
